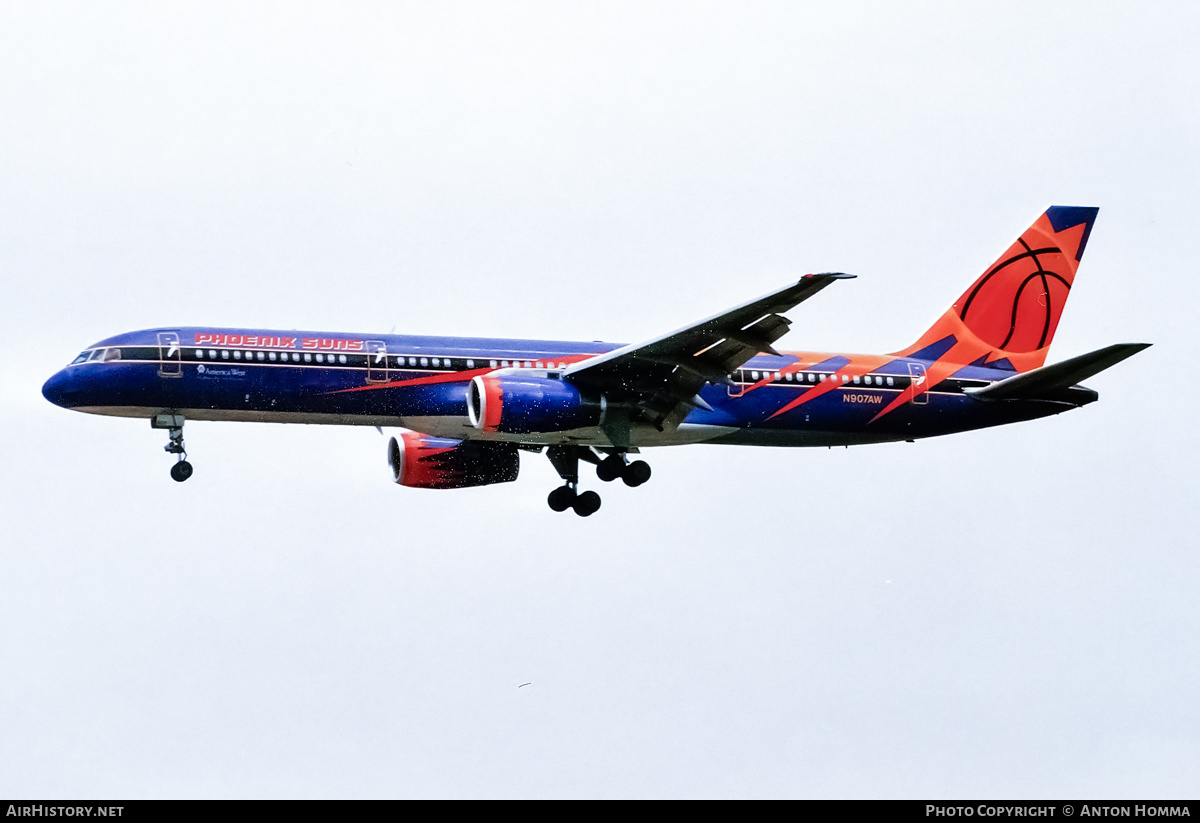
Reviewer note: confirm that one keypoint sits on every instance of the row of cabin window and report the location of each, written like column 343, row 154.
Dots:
column 422, row 362
column 273, row 357
column 517, row 364
column 815, row 377
column 110, row 354
column 447, row 363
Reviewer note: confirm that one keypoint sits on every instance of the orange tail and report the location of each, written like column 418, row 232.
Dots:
column 1010, row 313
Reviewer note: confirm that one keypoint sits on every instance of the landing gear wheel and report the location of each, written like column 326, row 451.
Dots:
column 181, row 471
column 561, row 498
column 586, row 504
column 610, row 468
column 636, row 473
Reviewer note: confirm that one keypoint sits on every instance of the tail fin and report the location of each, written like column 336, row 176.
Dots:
column 1008, row 316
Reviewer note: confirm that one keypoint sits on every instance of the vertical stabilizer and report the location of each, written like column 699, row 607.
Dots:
column 1008, row 316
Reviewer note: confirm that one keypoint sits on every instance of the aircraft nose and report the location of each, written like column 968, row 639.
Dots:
column 60, row 389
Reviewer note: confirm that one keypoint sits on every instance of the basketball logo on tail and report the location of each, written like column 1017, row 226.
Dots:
column 1008, row 316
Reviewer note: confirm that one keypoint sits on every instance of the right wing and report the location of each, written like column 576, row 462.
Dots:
column 661, row 378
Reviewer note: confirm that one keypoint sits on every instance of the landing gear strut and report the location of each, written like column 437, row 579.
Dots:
column 565, row 460
column 173, row 423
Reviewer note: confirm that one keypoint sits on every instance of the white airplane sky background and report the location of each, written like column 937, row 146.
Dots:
column 1006, row 613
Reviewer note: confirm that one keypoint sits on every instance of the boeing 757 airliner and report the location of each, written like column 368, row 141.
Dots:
column 469, row 406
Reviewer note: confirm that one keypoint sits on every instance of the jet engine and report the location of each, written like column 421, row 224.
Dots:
column 520, row 404
column 426, row 462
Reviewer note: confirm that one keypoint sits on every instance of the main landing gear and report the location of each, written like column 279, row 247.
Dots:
column 614, row 466
column 173, row 423
column 565, row 460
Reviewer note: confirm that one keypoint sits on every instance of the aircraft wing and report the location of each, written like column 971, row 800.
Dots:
column 661, row 378
column 1037, row 383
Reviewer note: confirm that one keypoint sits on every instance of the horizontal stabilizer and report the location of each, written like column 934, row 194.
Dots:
column 1040, row 382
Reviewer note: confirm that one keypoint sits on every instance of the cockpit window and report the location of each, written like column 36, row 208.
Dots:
column 112, row 354
column 97, row 354
column 83, row 355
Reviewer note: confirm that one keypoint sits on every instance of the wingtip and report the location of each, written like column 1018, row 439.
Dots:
column 1132, row 348
column 830, row 275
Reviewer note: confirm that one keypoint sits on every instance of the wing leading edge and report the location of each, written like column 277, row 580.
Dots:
column 659, row 380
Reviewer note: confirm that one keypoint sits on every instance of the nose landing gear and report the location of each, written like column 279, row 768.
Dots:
column 173, row 423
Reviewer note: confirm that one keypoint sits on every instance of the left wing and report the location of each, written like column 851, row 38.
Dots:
column 659, row 380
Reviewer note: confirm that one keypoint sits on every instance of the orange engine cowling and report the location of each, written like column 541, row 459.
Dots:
column 426, row 462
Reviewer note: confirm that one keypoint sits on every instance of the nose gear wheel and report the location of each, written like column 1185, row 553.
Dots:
column 173, row 423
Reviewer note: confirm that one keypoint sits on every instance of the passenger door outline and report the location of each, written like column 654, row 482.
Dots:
column 377, row 364
column 917, row 373
column 170, row 357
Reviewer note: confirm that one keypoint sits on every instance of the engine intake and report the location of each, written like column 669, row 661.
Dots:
column 425, row 462
column 520, row 404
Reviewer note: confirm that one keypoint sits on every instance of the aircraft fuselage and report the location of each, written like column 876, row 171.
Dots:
column 421, row 383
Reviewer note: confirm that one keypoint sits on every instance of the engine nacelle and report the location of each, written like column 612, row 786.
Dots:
column 520, row 404
column 425, row 462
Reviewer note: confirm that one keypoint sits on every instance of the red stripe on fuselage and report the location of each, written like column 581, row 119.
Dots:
column 857, row 367
column 451, row 377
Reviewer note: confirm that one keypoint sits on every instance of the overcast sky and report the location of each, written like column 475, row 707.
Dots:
column 1006, row 613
